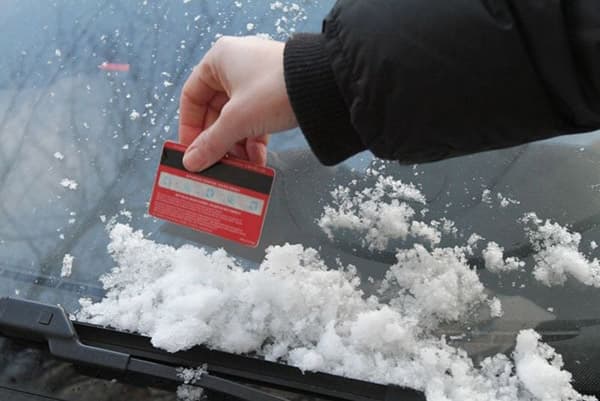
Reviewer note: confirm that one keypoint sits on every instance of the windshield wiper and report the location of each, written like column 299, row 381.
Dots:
column 22, row 319
column 35, row 321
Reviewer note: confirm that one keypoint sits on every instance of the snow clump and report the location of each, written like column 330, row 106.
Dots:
column 557, row 254
column 493, row 257
column 67, row 265
column 69, row 184
column 539, row 368
column 379, row 213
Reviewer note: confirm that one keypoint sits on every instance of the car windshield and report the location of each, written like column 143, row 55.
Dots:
column 462, row 254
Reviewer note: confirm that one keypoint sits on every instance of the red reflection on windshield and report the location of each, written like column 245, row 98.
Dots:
column 114, row 67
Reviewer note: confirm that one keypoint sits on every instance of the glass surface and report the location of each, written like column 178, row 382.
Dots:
column 66, row 117
column 65, row 113
column 80, row 144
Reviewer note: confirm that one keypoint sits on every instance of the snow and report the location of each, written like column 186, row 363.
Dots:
column 134, row 115
column 189, row 393
column 473, row 239
column 486, row 196
column 67, row 265
column 126, row 213
column 69, row 183
column 503, row 201
column 493, row 256
column 495, row 307
column 378, row 214
column 58, row 156
column 295, row 309
column 506, row 201
column 539, row 368
column 557, row 254
column 436, row 285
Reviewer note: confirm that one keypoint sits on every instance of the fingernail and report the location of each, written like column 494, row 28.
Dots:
column 192, row 159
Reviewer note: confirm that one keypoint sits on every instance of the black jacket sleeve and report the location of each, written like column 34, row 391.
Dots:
column 422, row 80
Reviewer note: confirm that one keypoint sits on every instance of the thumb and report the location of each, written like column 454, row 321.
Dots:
column 212, row 144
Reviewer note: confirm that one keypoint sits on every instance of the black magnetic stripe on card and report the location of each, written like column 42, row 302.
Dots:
column 222, row 172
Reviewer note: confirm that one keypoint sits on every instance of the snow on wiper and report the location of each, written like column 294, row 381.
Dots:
column 48, row 323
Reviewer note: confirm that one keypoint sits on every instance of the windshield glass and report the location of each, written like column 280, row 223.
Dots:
column 89, row 93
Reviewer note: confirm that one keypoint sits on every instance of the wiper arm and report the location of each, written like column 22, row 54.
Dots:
column 39, row 322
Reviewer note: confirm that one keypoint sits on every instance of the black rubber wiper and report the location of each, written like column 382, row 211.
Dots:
column 39, row 322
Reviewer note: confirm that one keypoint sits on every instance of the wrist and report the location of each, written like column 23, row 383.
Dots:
column 316, row 101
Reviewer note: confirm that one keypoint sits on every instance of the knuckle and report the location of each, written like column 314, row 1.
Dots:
column 234, row 116
column 210, row 147
column 222, row 43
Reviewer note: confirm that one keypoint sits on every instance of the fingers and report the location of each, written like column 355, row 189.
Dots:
column 239, row 150
column 202, row 98
column 256, row 149
column 215, row 141
column 219, row 111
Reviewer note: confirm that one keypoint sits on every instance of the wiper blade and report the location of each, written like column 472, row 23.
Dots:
column 39, row 322
column 249, row 369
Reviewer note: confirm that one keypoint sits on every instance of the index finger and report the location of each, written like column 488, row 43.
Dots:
column 202, row 97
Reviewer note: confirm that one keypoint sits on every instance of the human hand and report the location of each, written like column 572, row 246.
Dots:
column 232, row 100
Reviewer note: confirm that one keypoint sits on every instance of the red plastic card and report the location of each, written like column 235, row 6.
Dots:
column 229, row 199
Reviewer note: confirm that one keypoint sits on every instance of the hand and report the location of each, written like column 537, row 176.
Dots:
column 232, row 100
